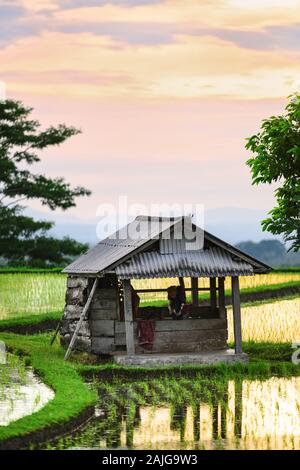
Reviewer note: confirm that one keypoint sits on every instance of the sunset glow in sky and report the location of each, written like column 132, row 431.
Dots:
column 165, row 91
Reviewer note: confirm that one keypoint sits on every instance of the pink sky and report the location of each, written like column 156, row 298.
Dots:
column 165, row 92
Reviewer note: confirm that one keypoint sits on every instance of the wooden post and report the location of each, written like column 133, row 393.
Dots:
column 194, row 286
column 236, row 306
column 181, row 283
column 84, row 311
column 129, row 330
column 221, row 291
column 213, row 292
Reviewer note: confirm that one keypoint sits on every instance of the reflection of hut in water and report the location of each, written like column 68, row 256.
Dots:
column 245, row 414
column 102, row 313
column 203, row 422
column 127, row 423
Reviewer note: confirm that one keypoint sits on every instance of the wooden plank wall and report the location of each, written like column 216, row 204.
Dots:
column 191, row 335
column 104, row 333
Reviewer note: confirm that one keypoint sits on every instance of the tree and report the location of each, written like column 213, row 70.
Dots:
column 276, row 150
column 23, row 239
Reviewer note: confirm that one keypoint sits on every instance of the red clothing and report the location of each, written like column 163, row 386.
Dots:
column 146, row 333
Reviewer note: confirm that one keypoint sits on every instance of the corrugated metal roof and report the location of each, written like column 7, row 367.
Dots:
column 206, row 263
column 120, row 244
column 172, row 246
column 136, row 236
column 186, row 239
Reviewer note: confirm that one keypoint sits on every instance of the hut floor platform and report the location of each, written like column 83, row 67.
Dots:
column 154, row 360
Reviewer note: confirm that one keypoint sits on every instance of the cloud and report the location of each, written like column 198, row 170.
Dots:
column 146, row 50
column 13, row 23
column 19, row 21
column 204, row 13
column 154, row 22
column 95, row 3
column 9, row 32
column 10, row 12
column 67, row 77
column 191, row 67
column 126, row 33
column 271, row 37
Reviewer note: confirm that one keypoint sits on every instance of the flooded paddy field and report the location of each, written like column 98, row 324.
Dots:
column 21, row 391
column 193, row 414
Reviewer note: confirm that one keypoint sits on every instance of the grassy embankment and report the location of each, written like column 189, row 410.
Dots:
column 31, row 323
column 73, row 398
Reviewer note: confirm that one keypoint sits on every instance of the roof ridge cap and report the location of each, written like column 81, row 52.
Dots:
column 159, row 218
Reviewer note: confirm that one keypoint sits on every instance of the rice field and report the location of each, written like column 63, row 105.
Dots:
column 276, row 322
column 37, row 293
column 246, row 282
column 23, row 294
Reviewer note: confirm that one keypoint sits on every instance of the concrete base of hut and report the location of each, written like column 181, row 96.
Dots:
column 153, row 360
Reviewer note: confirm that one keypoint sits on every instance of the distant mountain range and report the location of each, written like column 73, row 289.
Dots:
column 272, row 252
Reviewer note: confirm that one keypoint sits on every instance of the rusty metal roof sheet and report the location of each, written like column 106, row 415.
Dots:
column 212, row 262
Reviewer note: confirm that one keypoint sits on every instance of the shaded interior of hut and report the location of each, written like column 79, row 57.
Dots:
column 179, row 305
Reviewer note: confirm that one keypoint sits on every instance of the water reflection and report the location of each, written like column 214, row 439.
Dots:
column 238, row 414
column 22, row 397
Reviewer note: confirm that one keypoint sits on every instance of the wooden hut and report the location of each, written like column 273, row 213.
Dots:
column 102, row 317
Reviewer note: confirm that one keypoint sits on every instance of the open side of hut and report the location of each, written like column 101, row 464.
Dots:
column 101, row 314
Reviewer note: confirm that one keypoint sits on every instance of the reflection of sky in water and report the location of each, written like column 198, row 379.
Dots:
column 18, row 399
column 253, row 414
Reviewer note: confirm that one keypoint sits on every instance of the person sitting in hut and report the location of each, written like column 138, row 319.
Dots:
column 177, row 299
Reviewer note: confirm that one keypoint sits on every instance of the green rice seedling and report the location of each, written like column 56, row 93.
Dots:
column 36, row 293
